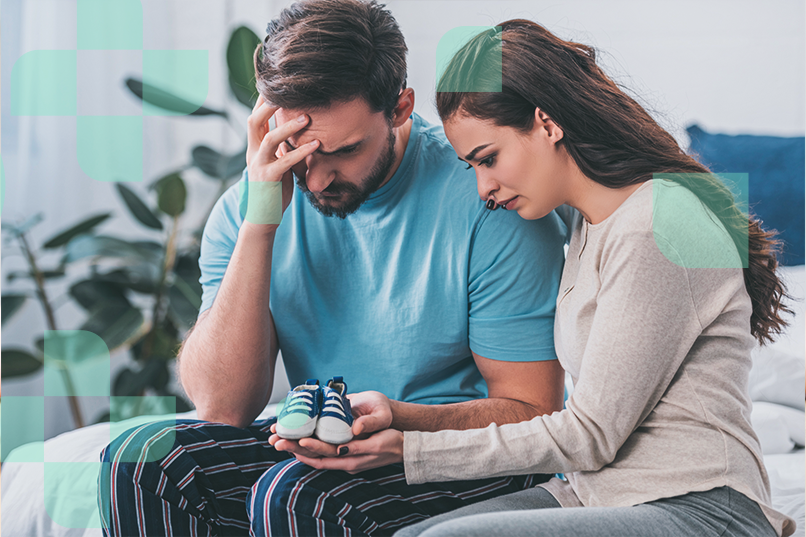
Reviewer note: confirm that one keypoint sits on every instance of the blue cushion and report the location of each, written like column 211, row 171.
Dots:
column 775, row 168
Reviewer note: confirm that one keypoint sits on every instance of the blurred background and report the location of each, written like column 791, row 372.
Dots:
column 128, row 271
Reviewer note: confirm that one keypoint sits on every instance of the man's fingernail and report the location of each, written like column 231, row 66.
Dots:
column 344, row 450
column 301, row 118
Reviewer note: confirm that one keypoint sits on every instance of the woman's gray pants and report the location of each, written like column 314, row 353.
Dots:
column 720, row 512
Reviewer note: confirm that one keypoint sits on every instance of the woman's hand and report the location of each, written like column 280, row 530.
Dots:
column 266, row 159
column 380, row 449
column 373, row 413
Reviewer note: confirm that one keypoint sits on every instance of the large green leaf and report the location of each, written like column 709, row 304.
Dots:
column 164, row 343
column 131, row 383
column 216, row 165
column 240, row 54
column 235, row 164
column 207, row 160
column 85, row 246
column 141, row 278
column 18, row 363
column 115, row 323
column 171, row 194
column 138, row 208
column 10, row 304
column 167, row 101
column 92, row 294
column 83, row 227
column 184, row 304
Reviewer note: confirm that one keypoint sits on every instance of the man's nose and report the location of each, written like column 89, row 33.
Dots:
column 486, row 185
column 318, row 176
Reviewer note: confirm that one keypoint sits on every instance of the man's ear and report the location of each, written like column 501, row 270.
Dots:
column 403, row 108
column 542, row 121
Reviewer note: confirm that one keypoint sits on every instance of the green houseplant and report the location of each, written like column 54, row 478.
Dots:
column 137, row 294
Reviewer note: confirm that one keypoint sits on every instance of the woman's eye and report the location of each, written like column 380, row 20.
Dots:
column 488, row 161
column 469, row 166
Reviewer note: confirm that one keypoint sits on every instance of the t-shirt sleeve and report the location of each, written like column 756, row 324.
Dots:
column 218, row 243
column 514, row 275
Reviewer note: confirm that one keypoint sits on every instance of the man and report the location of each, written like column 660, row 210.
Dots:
column 386, row 269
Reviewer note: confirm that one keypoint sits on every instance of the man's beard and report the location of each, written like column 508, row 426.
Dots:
column 353, row 196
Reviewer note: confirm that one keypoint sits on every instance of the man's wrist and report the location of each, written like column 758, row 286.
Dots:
column 251, row 230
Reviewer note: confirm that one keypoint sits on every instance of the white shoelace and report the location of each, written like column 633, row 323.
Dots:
column 333, row 403
column 299, row 400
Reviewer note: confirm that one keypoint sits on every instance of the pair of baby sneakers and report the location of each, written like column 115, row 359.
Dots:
column 321, row 410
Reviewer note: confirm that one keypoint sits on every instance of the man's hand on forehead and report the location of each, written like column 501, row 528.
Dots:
column 346, row 146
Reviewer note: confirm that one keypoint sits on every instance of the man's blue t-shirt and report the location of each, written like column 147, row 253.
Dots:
column 394, row 297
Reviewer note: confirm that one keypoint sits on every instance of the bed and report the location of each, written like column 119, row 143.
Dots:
column 29, row 508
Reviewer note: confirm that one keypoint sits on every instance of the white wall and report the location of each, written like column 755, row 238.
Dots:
column 735, row 66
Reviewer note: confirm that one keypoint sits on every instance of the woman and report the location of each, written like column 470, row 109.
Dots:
column 655, row 318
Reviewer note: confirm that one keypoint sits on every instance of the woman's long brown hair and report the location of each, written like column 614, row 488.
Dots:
column 612, row 139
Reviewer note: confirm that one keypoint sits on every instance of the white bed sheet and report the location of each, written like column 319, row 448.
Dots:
column 777, row 384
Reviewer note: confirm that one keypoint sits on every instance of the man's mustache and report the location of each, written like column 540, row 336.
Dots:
column 332, row 189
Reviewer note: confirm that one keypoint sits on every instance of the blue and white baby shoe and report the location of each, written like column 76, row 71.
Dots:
column 335, row 425
column 299, row 412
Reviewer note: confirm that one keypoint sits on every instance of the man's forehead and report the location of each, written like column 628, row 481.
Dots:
column 337, row 126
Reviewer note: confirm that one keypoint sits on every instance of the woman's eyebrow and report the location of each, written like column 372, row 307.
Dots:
column 472, row 154
column 343, row 149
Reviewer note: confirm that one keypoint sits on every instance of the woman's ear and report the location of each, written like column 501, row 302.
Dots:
column 547, row 125
column 403, row 108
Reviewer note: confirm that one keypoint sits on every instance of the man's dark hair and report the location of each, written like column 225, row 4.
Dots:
column 320, row 52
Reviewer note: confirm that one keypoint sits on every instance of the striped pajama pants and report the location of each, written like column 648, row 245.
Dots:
column 190, row 477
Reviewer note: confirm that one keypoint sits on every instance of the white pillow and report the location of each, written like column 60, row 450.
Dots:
column 778, row 369
column 779, row 428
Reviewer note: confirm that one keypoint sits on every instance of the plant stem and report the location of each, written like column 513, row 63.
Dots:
column 157, row 311
column 39, row 279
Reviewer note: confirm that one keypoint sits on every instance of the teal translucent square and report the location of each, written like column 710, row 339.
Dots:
column 43, row 83
column 110, row 25
column 474, row 56
column 84, row 355
column 23, row 422
column 155, row 424
column 263, row 201
column 183, row 73
column 110, row 148
column 71, row 491
column 686, row 230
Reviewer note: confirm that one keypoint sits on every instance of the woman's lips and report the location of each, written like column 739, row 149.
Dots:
column 509, row 203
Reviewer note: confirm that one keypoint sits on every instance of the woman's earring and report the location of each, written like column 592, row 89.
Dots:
column 492, row 205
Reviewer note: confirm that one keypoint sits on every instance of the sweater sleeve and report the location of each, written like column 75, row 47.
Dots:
column 645, row 323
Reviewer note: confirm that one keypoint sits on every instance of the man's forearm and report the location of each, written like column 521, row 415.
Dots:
column 474, row 414
column 227, row 363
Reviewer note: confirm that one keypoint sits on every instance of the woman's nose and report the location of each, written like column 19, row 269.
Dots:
column 486, row 185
